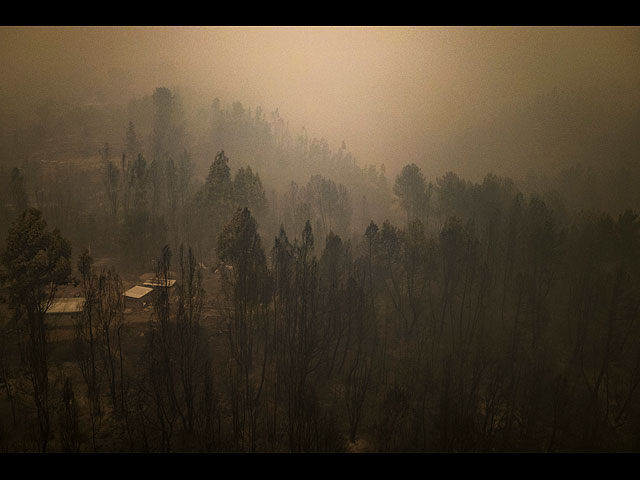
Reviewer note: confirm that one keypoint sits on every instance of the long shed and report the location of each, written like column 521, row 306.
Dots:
column 65, row 310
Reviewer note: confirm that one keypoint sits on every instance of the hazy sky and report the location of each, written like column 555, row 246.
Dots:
column 389, row 92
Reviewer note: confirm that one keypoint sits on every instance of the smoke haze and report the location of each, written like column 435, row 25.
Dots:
column 395, row 95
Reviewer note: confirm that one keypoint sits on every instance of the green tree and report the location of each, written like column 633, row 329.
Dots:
column 301, row 332
column 248, row 190
column 37, row 261
column 86, row 344
column 218, row 186
column 247, row 291
column 413, row 192
column 191, row 354
column 330, row 206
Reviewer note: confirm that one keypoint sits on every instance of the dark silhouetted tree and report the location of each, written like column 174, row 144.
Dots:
column 413, row 193
column 36, row 261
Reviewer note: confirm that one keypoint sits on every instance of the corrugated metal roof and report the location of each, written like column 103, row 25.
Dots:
column 137, row 291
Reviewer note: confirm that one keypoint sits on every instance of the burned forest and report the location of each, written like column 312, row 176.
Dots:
column 187, row 271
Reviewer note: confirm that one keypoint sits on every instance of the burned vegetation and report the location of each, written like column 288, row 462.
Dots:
column 234, row 288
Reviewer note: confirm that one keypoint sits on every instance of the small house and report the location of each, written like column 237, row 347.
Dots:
column 65, row 311
column 138, row 296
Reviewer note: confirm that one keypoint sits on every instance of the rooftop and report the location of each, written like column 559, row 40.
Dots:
column 66, row 305
column 159, row 283
column 137, row 292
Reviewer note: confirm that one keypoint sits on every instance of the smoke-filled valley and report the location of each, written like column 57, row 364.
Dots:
column 319, row 240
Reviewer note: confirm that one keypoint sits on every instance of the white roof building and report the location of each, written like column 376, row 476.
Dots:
column 62, row 306
column 137, row 292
